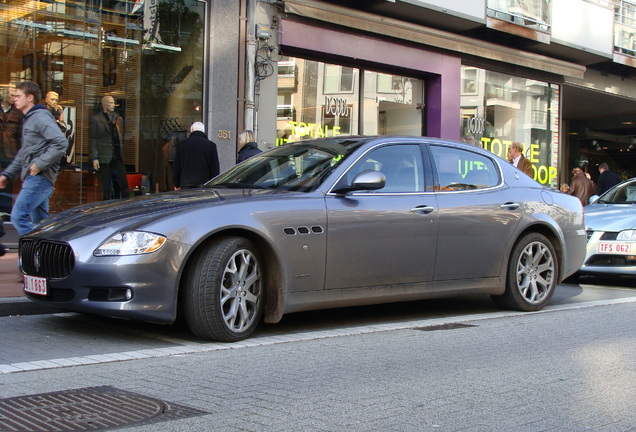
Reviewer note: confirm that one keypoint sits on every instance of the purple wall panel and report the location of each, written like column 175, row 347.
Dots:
column 443, row 72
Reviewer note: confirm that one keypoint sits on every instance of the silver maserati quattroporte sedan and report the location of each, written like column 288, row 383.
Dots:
column 314, row 224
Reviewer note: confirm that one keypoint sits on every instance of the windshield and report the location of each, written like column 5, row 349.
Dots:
column 624, row 193
column 299, row 166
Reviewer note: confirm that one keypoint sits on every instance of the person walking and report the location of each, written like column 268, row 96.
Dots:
column 196, row 159
column 516, row 157
column 607, row 179
column 37, row 161
column 247, row 146
column 581, row 187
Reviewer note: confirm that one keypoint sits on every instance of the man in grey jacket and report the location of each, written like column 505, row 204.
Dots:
column 37, row 161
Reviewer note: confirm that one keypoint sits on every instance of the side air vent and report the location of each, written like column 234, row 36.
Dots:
column 303, row 230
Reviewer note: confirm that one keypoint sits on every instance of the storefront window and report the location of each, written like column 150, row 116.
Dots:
column 315, row 100
column 318, row 99
column 392, row 105
column 147, row 56
column 497, row 109
column 625, row 27
column 530, row 13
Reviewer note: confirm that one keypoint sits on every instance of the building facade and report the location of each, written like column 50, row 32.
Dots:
column 557, row 76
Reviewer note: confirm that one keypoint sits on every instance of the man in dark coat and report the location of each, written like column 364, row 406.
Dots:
column 10, row 124
column 581, row 187
column 607, row 179
column 196, row 160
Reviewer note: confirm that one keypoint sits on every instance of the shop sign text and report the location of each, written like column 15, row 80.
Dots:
column 541, row 173
column 336, row 106
column 310, row 130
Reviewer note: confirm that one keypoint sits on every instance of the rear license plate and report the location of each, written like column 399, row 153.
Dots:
column 35, row 285
column 615, row 248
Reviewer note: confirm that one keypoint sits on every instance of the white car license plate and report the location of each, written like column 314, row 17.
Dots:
column 615, row 248
column 35, row 285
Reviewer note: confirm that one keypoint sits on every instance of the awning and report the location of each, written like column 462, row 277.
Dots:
column 390, row 27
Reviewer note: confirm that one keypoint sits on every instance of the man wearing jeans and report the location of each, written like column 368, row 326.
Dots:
column 37, row 161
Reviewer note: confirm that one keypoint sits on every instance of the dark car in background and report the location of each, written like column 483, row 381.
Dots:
column 314, row 224
column 611, row 231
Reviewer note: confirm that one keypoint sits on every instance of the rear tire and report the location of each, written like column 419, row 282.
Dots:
column 223, row 291
column 532, row 276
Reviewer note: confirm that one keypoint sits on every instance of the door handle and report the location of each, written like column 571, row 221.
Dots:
column 510, row 206
column 422, row 209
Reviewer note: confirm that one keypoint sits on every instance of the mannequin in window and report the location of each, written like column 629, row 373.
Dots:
column 106, row 149
column 51, row 102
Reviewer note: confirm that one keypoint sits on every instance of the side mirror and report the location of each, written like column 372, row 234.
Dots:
column 593, row 199
column 366, row 180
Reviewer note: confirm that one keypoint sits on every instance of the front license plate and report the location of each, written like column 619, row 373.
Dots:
column 35, row 285
column 615, row 248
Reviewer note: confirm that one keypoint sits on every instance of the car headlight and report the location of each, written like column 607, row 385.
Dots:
column 130, row 243
column 627, row 235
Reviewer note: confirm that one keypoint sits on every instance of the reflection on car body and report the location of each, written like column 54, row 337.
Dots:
column 611, row 232
column 314, row 224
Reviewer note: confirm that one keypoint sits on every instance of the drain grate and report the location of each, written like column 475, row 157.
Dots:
column 86, row 409
column 444, row 327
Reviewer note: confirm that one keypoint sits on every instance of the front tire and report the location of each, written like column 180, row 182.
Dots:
column 532, row 277
column 223, row 291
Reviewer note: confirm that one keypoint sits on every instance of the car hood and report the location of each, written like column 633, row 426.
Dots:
column 610, row 217
column 144, row 209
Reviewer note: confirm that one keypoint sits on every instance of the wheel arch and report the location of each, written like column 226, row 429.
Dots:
column 553, row 236
column 274, row 306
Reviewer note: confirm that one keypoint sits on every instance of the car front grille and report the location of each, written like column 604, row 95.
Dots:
column 46, row 258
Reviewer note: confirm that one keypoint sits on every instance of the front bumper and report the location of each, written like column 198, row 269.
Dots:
column 140, row 287
column 604, row 264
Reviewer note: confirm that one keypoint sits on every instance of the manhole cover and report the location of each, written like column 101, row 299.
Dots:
column 444, row 327
column 86, row 409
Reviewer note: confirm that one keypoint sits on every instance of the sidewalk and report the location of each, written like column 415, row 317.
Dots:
column 9, row 285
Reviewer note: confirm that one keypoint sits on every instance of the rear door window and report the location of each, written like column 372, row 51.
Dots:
column 458, row 169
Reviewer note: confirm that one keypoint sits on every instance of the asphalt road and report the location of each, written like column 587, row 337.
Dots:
column 438, row 365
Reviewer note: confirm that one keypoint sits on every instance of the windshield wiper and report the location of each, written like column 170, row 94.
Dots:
column 238, row 186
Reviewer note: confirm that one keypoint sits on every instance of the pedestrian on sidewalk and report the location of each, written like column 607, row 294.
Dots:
column 607, row 179
column 37, row 161
column 196, row 159
column 247, row 146
column 581, row 186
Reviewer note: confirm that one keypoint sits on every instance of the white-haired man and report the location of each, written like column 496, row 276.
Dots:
column 196, row 160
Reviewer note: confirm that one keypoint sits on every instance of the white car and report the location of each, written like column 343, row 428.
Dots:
column 611, row 232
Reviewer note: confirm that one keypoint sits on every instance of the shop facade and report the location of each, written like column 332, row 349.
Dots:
column 374, row 86
column 292, row 70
